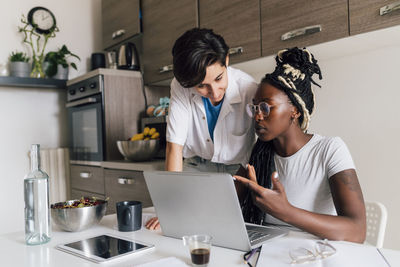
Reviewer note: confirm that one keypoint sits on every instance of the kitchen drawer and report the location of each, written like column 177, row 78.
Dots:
column 77, row 194
column 125, row 185
column 87, row 178
column 298, row 21
column 365, row 15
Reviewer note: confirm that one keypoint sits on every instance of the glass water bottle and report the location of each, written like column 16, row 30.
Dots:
column 37, row 210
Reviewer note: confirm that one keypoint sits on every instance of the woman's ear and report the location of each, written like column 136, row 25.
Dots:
column 295, row 113
column 227, row 60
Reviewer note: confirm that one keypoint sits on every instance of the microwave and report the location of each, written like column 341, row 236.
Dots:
column 160, row 123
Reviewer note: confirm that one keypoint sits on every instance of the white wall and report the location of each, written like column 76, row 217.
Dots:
column 359, row 101
column 30, row 115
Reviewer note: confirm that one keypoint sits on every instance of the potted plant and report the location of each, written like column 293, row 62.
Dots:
column 37, row 39
column 19, row 64
column 56, row 64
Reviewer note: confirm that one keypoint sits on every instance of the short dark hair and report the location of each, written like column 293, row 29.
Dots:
column 194, row 51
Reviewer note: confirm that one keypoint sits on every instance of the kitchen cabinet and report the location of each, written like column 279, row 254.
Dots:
column 369, row 15
column 117, row 185
column 125, row 185
column 163, row 22
column 89, row 179
column 238, row 22
column 120, row 20
column 301, row 23
column 122, row 106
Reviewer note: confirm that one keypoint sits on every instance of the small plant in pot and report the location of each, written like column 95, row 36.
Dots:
column 56, row 64
column 19, row 64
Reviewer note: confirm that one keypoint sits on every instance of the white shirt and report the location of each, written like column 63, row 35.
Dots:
column 305, row 175
column 234, row 133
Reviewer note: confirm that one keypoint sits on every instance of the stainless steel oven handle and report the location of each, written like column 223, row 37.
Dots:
column 88, row 100
column 124, row 180
column 85, row 175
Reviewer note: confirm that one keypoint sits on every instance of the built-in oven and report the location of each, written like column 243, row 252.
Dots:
column 86, row 120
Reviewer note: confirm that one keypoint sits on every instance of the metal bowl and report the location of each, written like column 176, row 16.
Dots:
column 139, row 150
column 78, row 219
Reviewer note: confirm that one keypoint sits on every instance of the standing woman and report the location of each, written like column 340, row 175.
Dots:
column 207, row 122
column 207, row 125
column 304, row 180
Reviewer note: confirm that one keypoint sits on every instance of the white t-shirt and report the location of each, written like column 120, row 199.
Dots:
column 305, row 175
column 234, row 134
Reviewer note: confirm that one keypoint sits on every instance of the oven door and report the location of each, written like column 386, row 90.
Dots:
column 86, row 129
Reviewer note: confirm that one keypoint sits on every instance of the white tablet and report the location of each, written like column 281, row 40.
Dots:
column 104, row 247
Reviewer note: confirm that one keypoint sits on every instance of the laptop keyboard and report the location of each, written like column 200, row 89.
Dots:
column 255, row 236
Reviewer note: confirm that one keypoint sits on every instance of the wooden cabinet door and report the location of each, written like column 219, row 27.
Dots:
column 163, row 22
column 281, row 18
column 125, row 186
column 365, row 15
column 238, row 22
column 87, row 178
column 120, row 20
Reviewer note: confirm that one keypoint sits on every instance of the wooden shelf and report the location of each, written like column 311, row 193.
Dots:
column 32, row 82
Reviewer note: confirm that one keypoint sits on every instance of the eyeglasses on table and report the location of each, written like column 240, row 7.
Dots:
column 322, row 250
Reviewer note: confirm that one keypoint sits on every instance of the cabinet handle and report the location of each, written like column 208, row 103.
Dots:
column 118, row 33
column 85, row 175
column 166, row 68
column 389, row 8
column 302, row 31
column 235, row 50
column 124, row 180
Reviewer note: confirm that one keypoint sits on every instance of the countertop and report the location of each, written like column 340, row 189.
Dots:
column 14, row 251
column 153, row 165
column 111, row 72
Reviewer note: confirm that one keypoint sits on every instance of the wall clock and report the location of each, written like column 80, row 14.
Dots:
column 42, row 19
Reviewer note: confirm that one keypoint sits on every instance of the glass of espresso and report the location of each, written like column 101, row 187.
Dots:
column 199, row 246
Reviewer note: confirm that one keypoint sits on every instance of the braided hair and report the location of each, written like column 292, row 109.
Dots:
column 293, row 75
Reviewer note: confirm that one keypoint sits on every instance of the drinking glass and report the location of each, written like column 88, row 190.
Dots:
column 199, row 246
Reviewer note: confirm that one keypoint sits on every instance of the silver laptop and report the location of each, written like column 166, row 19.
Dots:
column 189, row 203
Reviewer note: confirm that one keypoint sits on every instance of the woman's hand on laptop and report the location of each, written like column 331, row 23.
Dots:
column 153, row 224
column 273, row 201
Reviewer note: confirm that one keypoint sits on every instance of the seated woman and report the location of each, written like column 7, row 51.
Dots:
column 304, row 180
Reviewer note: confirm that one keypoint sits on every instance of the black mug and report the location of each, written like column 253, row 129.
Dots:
column 98, row 60
column 129, row 215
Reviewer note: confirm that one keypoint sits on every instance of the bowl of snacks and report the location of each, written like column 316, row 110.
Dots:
column 140, row 147
column 78, row 214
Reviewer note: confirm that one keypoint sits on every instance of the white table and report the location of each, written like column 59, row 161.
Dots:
column 14, row 252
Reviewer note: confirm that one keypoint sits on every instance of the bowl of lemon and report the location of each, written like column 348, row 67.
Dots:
column 141, row 146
